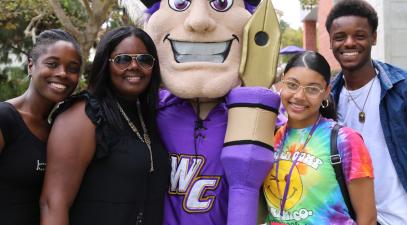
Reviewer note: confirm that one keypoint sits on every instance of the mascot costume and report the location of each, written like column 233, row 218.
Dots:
column 219, row 135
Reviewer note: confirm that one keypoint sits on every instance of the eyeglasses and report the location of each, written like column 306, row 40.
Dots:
column 123, row 61
column 310, row 91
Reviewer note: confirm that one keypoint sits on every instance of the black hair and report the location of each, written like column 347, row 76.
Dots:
column 49, row 37
column 316, row 62
column 353, row 8
column 100, row 84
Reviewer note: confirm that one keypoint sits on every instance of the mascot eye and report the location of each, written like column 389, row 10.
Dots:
column 221, row 5
column 179, row 5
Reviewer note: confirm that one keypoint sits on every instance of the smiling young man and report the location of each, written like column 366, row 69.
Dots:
column 372, row 99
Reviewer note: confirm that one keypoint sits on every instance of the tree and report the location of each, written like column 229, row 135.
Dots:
column 283, row 25
column 20, row 21
column 83, row 19
column 290, row 37
column 308, row 4
column 13, row 82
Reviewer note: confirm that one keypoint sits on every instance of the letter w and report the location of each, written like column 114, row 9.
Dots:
column 183, row 172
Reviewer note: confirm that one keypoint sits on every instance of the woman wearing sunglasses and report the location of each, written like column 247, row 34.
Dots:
column 105, row 162
column 302, row 187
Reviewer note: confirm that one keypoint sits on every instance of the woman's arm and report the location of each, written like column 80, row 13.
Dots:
column 361, row 194
column 71, row 146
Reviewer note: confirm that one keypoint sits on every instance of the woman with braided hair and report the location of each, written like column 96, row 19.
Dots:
column 53, row 68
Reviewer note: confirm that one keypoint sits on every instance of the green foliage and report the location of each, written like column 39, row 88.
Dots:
column 15, row 16
column 308, row 4
column 13, row 82
column 118, row 17
column 290, row 37
column 76, row 12
column 283, row 25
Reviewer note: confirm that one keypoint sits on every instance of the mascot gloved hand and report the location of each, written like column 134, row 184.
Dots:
column 199, row 44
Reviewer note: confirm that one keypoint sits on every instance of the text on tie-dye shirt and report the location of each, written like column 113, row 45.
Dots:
column 314, row 195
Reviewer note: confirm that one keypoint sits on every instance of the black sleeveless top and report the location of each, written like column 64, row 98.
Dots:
column 117, row 188
column 22, row 165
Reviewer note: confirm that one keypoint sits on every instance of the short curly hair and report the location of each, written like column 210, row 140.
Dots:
column 353, row 8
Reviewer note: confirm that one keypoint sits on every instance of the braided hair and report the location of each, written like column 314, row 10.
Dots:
column 49, row 37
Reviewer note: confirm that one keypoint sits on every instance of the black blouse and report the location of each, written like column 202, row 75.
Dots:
column 118, row 187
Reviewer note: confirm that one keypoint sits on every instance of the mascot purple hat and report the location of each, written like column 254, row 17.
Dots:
column 219, row 135
column 149, row 3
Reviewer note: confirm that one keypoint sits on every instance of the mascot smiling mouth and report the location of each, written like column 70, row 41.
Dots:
column 213, row 52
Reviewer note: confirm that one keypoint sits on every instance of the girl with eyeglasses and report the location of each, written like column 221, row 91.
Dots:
column 302, row 187
column 106, row 163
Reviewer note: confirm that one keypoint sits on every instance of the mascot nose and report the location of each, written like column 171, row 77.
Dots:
column 199, row 18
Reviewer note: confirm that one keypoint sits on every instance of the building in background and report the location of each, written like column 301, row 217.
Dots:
column 391, row 44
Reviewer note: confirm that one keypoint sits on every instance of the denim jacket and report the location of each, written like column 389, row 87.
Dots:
column 393, row 112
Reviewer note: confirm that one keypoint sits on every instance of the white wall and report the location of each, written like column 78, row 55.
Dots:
column 391, row 44
column 378, row 51
column 397, row 32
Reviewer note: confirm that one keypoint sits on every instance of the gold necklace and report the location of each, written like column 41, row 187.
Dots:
column 362, row 114
column 146, row 138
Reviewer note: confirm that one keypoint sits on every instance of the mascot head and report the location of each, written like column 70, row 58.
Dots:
column 199, row 43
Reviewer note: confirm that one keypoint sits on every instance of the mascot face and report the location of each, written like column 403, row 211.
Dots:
column 199, row 44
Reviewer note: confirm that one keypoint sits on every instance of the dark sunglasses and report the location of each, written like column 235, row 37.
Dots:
column 123, row 61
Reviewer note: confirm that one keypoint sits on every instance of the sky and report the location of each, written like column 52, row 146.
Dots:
column 291, row 11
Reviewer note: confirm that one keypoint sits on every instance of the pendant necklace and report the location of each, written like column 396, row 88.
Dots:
column 146, row 138
column 362, row 114
column 294, row 163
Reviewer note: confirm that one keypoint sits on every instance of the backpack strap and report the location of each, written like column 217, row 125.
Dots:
column 337, row 165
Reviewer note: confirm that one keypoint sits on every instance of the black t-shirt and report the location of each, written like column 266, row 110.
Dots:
column 22, row 166
column 117, row 186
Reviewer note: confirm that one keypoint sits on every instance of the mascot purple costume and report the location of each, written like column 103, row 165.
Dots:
column 219, row 137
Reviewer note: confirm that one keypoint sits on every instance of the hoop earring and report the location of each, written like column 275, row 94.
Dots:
column 326, row 103
column 29, row 76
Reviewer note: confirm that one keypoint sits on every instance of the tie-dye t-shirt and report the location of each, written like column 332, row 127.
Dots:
column 314, row 195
